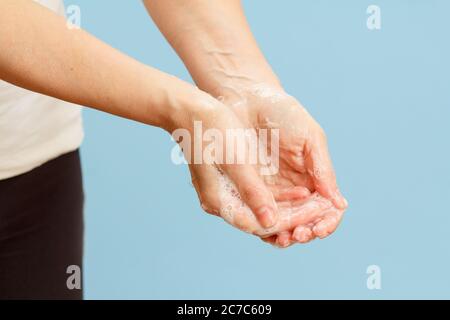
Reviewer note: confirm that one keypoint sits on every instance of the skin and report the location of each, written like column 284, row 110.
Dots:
column 304, row 160
column 76, row 67
column 306, row 217
column 109, row 81
column 217, row 46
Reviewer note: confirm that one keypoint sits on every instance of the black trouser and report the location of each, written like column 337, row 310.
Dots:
column 41, row 231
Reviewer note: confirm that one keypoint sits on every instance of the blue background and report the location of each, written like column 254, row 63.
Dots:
column 383, row 98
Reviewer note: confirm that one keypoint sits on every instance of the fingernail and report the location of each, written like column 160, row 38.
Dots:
column 283, row 244
column 267, row 217
column 286, row 244
column 340, row 201
column 320, row 231
column 346, row 202
column 302, row 235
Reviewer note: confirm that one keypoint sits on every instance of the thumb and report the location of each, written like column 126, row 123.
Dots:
column 253, row 192
column 319, row 166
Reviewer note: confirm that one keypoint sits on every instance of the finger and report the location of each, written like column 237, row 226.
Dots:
column 245, row 221
column 254, row 193
column 303, row 234
column 271, row 240
column 284, row 239
column 304, row 213
column 329, row 223
column 319, row 166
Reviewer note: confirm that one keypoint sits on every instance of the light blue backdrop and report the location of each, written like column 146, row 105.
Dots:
column 383, row 98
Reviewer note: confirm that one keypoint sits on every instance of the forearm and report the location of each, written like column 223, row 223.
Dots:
column 214, row 41
column 39, row 53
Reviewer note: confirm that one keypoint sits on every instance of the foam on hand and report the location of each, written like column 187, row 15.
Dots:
column 310, row 213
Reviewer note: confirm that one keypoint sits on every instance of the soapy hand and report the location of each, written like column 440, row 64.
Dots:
column 309, row 215
column 217, row 46
column 304, row 163
column 302, row 192
column 218, row 119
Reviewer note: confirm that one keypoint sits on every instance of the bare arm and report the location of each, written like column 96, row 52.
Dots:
column 215, row 42
column 39, row 53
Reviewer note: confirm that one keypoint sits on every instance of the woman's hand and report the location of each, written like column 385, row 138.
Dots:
column 237, row 192
column 304, row 161
column 214, row 117
column 306, row 217
column 216, row 44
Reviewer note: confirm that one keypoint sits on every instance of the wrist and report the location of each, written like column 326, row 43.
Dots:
column 237, row 92
column 236, row 75
column 239, row 78
column 170, row 103
column 219, row 67
column 188, row 104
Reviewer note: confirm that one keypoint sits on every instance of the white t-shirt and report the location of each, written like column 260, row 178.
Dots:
column 35, row 128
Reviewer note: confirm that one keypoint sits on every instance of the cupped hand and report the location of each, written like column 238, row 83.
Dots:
column 215, row 120
column 306, row 214
column 304, row 166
